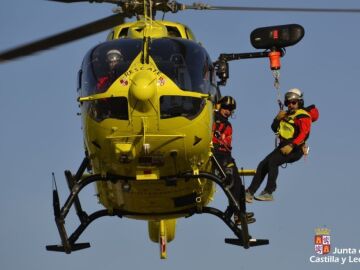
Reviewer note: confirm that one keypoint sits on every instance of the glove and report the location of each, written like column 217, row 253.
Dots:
column 281, row 115
column 305, row 148
column 217, row 134
column 285, row 150
column 229, row 171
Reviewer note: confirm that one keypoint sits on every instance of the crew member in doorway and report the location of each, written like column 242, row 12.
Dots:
column 222, row 140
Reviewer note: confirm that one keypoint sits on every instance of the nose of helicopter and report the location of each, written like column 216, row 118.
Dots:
column 143, row 85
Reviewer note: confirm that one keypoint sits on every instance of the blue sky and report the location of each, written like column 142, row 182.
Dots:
column 40, row 133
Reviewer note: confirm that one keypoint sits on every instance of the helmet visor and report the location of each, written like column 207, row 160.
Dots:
column 291, row 96
column 229, row 107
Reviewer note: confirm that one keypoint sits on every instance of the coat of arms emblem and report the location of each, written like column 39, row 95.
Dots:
column 322, row 241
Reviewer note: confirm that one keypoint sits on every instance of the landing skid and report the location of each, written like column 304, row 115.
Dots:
column 77, row 182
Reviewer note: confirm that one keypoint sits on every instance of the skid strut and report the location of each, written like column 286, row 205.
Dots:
column 77, row 182
column 243, row 237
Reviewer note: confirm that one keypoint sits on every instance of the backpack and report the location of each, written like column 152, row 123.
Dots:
column 313, row 111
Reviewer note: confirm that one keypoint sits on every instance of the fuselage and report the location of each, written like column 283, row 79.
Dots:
column 151, row 119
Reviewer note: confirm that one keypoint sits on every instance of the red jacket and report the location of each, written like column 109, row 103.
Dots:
column 304, row 125
column 222, row 133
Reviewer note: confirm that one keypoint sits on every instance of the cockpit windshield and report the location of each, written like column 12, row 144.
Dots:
column 185, row 62
column 106, row 62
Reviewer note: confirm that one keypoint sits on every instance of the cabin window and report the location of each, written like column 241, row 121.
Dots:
column 124, row 32
column 173, row 31
column 101, row 109
column 180, row 106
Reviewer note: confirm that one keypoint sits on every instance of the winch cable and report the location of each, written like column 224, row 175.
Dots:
column 276, row 75
column 275, row 65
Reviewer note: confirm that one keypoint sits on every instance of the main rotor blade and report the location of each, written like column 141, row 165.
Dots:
column 201, row 6
column 70, row 1
column 91, row 1
column 64, row 37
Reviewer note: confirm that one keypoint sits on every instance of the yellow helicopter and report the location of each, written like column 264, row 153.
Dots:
column 147, row 96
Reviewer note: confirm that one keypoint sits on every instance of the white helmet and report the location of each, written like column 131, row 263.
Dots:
column 293, row 93
column 113, row 56
column 296, row 94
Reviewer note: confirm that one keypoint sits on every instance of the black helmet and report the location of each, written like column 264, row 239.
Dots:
column 227, row 102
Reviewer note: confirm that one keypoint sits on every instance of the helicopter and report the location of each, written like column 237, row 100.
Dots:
column 148, row 134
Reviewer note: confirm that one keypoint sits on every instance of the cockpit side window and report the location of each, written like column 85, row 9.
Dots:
column 79, row 80
column 110, row 36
